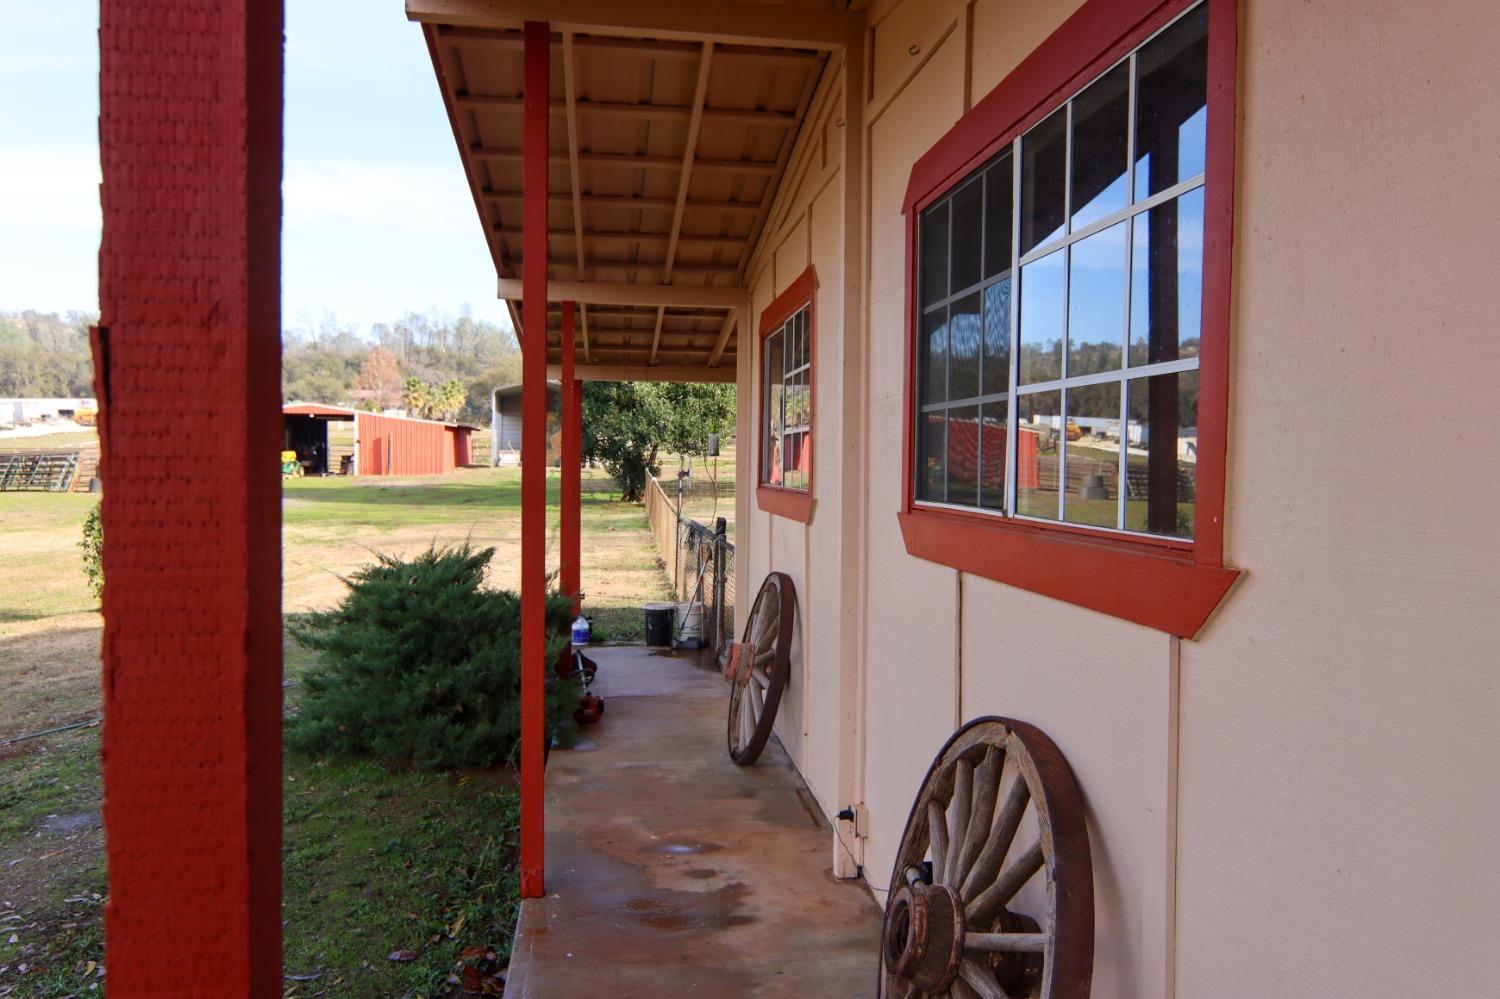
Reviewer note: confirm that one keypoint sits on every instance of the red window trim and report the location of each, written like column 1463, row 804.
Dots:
column 1164, row 584
column 794, row 504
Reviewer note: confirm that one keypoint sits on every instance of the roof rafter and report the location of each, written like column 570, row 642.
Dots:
column 684, row 180
column 653, row 295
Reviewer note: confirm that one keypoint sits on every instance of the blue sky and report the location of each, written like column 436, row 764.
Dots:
column 378, row 218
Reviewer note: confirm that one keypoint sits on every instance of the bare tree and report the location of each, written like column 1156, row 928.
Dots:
column 379, row 378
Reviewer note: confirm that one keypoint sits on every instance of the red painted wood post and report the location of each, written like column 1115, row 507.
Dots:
column 187, row 360
column 571, row 494
column 538, row 43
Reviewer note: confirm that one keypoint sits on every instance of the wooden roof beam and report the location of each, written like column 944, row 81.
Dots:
column 501, row 39
column 638, row 162
column 627, row 201
column 718, row 352
column 627, row 109
column 621, row 236
column 653, row 295
column 570, row 99
column 644, row 373
column 733, row 22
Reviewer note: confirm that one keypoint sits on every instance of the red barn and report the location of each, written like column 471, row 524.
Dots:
column 378, row 444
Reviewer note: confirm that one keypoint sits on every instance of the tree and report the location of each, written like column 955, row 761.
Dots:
column 450, row 397
column 626, row 425
column 379, row 378
column 416, row 397
column 421, row 664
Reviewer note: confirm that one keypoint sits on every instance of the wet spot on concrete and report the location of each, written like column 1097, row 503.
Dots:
column 585, row 746
column 683, row 849
column 692, row 911
column 701, row 873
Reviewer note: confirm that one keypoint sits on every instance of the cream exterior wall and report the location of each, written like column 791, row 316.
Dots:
column 1301, row 801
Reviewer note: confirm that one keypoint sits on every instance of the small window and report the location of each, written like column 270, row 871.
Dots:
column 786, row 404
column 1081, row 244
column 787, row 431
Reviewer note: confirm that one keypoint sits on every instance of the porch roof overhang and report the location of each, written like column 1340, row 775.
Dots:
column 669, row 140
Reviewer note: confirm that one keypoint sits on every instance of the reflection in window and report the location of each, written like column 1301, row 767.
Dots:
column 786, row 429
column 1060, row 306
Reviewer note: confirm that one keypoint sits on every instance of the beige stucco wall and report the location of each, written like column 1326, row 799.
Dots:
column 806, row 227
column 1300, row 802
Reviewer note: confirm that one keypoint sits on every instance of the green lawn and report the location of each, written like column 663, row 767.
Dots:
column 376, row 862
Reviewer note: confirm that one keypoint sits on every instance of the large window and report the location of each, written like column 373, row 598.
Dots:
column 785, row 483
column 1069, row 258
column 1059, row 311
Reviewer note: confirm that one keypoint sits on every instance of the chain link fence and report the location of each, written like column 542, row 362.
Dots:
column 698, row 559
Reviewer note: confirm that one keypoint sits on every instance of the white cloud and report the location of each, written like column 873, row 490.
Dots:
column 49, row 187
column 422, row 198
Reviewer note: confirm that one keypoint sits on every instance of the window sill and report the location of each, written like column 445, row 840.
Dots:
column 1160, row 587
column 793, row 504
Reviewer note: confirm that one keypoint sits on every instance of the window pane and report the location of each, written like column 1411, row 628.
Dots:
column 963, row 455
column 931, row 465
column 1166, row 281
column 997, row 337
column 934, row 357
column 999, row 211
column 992, row 455
column 1093, row 455
column 1171, row 105
column 1096, row 302
column 963, row 348
column 1162, row 475
column 1041, row 338
column 771, row 420
column 968, row 226
column 803, row 352
column 1043, row 167
column 934, row 253
column 1038, row 425
column 1101, row 116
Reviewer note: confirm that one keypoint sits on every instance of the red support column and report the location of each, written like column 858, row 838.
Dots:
column 189, row 347
column 538, row 43
column 571, row 493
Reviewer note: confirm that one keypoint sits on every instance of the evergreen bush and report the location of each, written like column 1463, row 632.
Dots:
column 421, row 663
column 92, row 546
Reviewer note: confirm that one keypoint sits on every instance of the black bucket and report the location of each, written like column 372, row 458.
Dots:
column 659, row 623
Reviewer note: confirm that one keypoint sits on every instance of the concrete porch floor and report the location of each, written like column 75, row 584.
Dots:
column 673, row 872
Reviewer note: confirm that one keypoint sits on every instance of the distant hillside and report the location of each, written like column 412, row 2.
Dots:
column 47, row 354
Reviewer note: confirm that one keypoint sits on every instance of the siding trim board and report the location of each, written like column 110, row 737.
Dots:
column 1164, row 584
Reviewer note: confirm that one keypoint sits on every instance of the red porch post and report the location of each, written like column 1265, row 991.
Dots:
column 538, row 42
column 571, row 495
column 189, row 343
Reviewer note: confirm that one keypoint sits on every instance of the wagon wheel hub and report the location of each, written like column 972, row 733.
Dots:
column 924, row 936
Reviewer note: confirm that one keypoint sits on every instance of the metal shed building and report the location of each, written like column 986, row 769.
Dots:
column 382, row 444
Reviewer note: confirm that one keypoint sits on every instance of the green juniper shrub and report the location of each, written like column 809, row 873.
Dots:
column 421, row 663
column 92, row 546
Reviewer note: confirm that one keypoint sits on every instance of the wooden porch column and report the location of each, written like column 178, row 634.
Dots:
column 538, row 42
column 571, row 494
column 189, row 338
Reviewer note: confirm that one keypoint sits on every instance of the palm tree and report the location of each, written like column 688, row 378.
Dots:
column 416, row 396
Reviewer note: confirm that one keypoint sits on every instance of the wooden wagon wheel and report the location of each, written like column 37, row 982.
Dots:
column 949, row 927
column 764, row 666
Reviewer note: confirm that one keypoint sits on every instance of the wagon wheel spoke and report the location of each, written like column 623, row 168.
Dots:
column 977, row 975
column 963, row 990
column 757, row 702
column 937, row 833
column 990, row 901
column 958, row 821
column 1006, row 943
column 761, row 680
column 986, row 790
column 1007, row 820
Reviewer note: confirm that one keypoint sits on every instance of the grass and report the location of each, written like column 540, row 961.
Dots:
column 377, row 862
column 710, row 489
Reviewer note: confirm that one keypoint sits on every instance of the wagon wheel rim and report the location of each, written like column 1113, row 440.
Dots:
column 764, row 668
column 953, row 924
